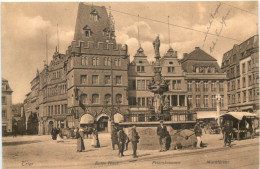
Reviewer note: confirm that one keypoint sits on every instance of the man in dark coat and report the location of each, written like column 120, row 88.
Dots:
column 121, row 141
column 228, row 132
column 198, row 133
column 162, row 133
column 53, row 133
column 114, row 137
column 135, row 140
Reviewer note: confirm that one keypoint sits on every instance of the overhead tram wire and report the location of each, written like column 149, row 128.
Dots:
column 179, row 26
column 237, row 8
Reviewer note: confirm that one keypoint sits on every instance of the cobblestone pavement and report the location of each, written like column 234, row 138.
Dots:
column 43, row 152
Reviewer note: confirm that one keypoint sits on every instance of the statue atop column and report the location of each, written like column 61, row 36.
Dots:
column 156, row 46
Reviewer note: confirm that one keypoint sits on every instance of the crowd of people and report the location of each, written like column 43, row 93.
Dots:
column 121, row 139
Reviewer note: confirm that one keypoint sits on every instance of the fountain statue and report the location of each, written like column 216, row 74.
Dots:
column 158, row 85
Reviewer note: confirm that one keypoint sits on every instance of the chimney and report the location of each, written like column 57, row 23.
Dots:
column 196, row 48
column 185, row 55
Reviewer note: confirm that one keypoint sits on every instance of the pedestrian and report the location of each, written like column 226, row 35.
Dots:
column 80, row 141
column 95, row 136
column 59, row 135
column 14, row 131
column 198, row 133
column 228, row 133
column 127, row 141
column 114, row 137
column 53, row 133
column 121, row 142
column 134, row 139
column 162, row 133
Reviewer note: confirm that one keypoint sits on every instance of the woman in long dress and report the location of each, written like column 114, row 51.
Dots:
column 59, row 136
column 80, row 142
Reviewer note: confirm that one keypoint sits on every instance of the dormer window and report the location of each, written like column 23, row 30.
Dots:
column 94, row 15
column 87, row 30
column 140, row 61
column 170, row 63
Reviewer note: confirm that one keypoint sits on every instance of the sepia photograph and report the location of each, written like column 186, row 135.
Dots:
column 124, row 85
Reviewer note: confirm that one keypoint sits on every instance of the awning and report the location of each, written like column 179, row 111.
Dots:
column 86, row 119
column 239, row 115
column 207, row 115
column 118, row 118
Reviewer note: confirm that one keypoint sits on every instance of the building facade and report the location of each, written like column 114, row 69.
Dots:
column 7, row 114
column 95, row 83
column 242, row 67
column 205, row 82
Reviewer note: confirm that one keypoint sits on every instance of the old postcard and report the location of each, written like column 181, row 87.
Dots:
column 130, row 84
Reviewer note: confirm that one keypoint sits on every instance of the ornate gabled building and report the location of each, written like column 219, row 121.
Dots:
column 140, row 73
column 7, row 114
column 241, row 64
column 205, row 81
column 97, row 77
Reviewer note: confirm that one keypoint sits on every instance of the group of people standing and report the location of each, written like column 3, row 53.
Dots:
column 120, row 138
column 80, row 139
column 56, row 134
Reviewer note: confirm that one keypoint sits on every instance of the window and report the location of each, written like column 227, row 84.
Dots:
column 197, row 86
column 244, row 96
column 83, row 79
column 197, row 101
column 140, row 69
column 244, row 82
column 95, row 61
column 58, row 109
column 132, row 101
column 233, row 85
column 94, row 79
column 88, row 33
column 221, row 86
column 178, row 84
column 95, row 98
column 140, row 84
column 190, row 100
column 243, row 68
column 238, row 70
column 213, row 86
column 117, row 62
column 228, row 86
column 134, row 85
column 119, row 98
column 107, row 61
column 84, row 98
column 171, row 69
column 249, row 80
column 238, row 97
column 4, row 115
column 222, row 101
column 238, row 83
column 107, row 99
column 205, row 86
column 229, row 99
column 233, row 99
column 107, row 79
column 118, row 80
column 84, row 60
column 206, row 101
column 3, row 100
column 250, row 95
column 232, row 72
column 141, row 101
column 213, row 100
column 189, row 86
column 249, row 65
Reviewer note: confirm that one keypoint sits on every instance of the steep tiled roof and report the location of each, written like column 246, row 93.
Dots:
column 84, row 21
column 198, row 55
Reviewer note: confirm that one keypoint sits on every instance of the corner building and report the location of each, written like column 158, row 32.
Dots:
column 97, row 78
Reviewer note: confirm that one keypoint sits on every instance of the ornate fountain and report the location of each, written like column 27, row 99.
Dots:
column 158, row 85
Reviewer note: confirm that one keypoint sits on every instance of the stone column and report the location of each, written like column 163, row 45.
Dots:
column 109, row 127
column 185, row 101
column 171, row 100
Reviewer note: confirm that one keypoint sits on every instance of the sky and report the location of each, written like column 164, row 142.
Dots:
column 24, row 27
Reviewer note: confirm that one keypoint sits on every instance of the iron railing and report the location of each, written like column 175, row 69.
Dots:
column 174, row 117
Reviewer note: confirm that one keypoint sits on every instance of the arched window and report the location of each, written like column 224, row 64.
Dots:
column 107, row 99
column 119, row 98
column 95, row 98
column 84, row 98
column 95, row 61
